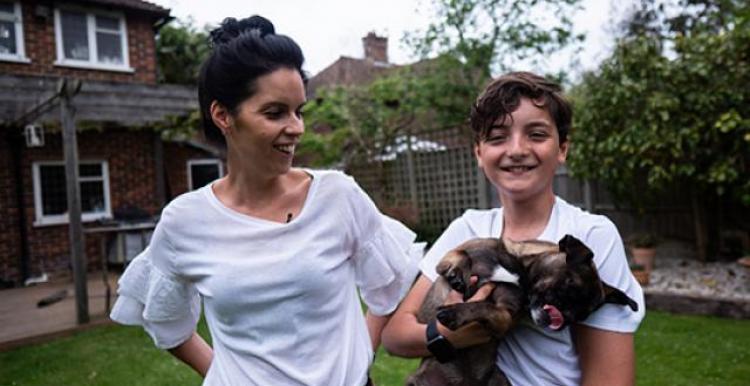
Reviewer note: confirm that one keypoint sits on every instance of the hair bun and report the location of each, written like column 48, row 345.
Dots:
column 231, row 28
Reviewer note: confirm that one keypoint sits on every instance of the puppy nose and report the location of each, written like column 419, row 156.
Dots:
column 540, row 317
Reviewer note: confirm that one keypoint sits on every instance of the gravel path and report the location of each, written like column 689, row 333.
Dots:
column 677, row 271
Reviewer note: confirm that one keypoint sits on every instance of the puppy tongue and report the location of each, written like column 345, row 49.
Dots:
column 555, row 317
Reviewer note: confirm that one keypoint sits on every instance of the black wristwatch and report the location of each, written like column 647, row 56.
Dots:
column 440, row 348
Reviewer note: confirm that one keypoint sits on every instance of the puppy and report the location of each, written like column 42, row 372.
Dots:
column 556, row 283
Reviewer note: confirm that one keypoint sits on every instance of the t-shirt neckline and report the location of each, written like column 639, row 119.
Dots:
column 211, row 196
column 548, row 232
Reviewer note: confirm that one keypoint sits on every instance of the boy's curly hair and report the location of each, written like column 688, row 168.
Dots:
column 503, row 96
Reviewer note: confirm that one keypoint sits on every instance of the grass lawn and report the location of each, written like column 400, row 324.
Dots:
column 671, row 350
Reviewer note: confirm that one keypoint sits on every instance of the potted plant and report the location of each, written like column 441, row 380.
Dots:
column 643, row 249
column 641, row 274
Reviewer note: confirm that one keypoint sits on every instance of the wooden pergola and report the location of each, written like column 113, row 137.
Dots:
column 25, row 99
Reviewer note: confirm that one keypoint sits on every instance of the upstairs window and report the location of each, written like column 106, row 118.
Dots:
column 11, row 32
column 91, row 39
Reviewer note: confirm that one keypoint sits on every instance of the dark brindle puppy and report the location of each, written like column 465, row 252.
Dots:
column 557, row 283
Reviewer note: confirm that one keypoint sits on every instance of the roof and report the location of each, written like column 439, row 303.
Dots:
column 124, row 104
column 138, row 5
column 346, row 71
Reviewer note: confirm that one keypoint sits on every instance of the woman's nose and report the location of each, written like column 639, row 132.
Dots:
column 295, row 126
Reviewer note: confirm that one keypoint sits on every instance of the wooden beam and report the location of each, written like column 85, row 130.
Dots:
column 67, row 90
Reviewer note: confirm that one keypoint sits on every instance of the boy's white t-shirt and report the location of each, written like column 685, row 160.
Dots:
column 280, row 300
column 529, row 355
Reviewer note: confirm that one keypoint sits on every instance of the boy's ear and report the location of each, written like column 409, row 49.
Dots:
column 563, row 155
column 478, row 154
column 221, row 117
column 615, row 296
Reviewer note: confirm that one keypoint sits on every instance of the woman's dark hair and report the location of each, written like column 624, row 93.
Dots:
column 503, row 96
column 243, row 50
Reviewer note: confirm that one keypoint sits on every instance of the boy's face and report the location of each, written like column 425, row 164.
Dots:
column 520, row 154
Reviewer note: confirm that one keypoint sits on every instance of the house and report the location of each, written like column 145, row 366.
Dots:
column 127, row 172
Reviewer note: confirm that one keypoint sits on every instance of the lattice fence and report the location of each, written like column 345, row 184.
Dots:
column 434, row 178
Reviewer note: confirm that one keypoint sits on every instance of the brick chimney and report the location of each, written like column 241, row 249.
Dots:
column 376, row 47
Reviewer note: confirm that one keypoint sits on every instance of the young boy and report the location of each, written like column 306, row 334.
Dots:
column 520, row 125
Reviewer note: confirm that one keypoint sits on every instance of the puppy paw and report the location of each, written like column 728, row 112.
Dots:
column 449, row 317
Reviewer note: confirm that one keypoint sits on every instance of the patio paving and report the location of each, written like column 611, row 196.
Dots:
column 24, row 323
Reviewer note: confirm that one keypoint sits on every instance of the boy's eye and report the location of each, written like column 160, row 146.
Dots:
column 539, row 135
column 496, row 136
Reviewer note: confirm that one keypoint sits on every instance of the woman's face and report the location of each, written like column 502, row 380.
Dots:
column 521, row 153
column 266, row 128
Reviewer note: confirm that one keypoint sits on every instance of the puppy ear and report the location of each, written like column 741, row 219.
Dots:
column 615, row 296
column 576, row 251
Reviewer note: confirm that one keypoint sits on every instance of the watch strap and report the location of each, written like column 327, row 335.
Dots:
column 440, row 347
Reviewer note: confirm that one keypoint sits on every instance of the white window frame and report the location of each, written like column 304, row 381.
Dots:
column 92, row 62
column 202, row 161
column 17, row 19
column 41, row 219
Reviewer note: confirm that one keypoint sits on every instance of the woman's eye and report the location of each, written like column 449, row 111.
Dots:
column 273, row 114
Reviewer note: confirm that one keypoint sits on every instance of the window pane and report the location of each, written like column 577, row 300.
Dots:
column 7, row 38
column 109, row 23
column 90, row 170
column 7, row 8
column 54, row 197
column 92, row 196
column 203, row 174
column 74, row 35
column 109, row 47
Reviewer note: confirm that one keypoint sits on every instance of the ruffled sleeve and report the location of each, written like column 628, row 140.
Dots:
column 166, row 306
column 385, row 265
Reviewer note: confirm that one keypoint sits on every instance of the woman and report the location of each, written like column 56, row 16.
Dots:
column 520, row 125
column 275, row 253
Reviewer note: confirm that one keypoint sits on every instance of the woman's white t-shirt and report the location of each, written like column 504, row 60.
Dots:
column 529, row 355
column 281, row 300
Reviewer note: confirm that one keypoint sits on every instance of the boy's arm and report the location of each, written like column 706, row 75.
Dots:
column 606, row 357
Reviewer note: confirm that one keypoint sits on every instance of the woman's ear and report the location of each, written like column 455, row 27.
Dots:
column 221, row 117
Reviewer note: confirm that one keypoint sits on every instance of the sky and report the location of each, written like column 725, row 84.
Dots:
column 327, row 29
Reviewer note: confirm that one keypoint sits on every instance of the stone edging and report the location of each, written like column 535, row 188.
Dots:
column 685, row 304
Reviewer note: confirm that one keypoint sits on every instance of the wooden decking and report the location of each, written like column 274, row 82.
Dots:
column 23, row 323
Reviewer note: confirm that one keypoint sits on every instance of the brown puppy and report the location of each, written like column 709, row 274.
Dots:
column 557, row 283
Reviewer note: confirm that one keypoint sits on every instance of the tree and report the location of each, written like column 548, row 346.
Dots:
column 467, row 41
column 678, row 116
column 180, row 50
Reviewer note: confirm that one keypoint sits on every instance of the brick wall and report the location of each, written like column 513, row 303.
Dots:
column 40, row 46
column 132, row 181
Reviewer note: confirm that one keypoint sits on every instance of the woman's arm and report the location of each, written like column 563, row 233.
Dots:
column 196, row 353
column 606, row 357
column 375, row 326
column 405, row 336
